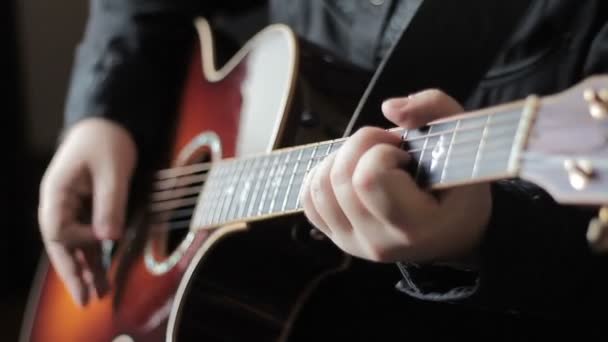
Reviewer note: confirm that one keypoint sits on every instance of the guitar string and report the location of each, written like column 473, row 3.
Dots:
column 180, row 192
column 166, row 185
column 173, row 198
column 176, row 207
column 205, row 166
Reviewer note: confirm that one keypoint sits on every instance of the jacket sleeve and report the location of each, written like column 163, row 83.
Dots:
column 131, row 64
column 534, row 258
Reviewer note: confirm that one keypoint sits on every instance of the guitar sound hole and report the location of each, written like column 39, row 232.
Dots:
column 175, row 239
column 176, row 200
column 179, row 219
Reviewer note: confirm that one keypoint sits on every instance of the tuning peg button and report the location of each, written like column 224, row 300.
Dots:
column 580, row 172
column 597, row 233
column 598, row 103
column 598, row 110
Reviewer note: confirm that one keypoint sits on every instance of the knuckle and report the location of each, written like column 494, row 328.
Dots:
column 339, row 175
column 379, row 153
column 436, row 95
column 319, row 182
column 376, row 253
column 364, row 179
column 367, row 133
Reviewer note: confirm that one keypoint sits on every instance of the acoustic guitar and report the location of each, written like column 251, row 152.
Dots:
column 220, row 280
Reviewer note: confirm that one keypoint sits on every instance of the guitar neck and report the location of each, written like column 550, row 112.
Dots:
column 469, row 148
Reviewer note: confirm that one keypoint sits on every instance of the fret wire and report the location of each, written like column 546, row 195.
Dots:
column 258, row 185
column 267, row 183
column 217, row 193
column 486, row 158
column 328, row 152
column 282, row 169
column 505, row 115
column 448, row 131
column 248, row 186
column 333, row 143
column 224, row 194
column 419, row 164
column 287, row 178
column 248, row 181
column 447, row 157
column 460, row 159
column 290, row 183
column 461, row 142
column 464, row 142
column 299, row 177
column 425, row 136
column 306, row 172
column 211, row 193
column 230, row 192
column 315, row 158
column 235, row 200
column 195, row 218
column 484, row 136
column 453, row 159
column 199, row 213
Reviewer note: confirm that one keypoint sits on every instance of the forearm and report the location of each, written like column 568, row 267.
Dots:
column 130, row 66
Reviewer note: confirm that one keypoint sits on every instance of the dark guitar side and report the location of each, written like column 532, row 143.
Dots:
column 238, row 292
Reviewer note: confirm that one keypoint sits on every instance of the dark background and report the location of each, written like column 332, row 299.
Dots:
column 38, row 42
column 35, row 69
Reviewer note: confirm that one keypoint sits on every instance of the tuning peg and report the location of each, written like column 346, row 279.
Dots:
column 598, row 103
column 580, row 172
column 597, row 233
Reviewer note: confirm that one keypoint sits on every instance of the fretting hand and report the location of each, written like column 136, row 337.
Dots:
column 92, row 167
column 362, row 198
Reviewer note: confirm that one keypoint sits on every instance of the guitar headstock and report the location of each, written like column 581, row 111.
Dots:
column 566, row 152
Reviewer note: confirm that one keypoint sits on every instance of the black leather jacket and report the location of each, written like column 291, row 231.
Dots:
column 534, row 255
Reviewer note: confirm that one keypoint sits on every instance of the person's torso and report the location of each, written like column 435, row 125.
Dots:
column 545, row 54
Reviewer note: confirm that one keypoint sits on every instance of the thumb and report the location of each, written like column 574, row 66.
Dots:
column 421, row 108
column 110, row 193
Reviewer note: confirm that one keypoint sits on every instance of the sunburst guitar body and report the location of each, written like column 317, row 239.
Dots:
column 230, row 278
column 238, row 110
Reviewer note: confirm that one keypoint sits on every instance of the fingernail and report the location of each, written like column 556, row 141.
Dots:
column 394, row 103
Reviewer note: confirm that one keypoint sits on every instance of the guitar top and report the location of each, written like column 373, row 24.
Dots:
column 226, row 175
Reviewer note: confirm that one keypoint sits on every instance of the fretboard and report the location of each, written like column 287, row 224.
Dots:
column 466, row 149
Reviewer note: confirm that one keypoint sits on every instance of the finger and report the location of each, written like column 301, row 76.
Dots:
column 324, row 200
column 70, row 271
column 93, row 270
column 344, row 166
column 387, row 191
column 58, row 219
column 110, row 189
column 309, row 208
column 421, row 108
